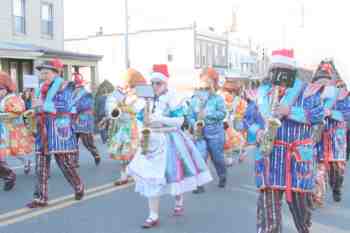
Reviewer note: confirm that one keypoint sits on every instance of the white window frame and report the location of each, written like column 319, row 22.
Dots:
column 23, row 17
column 49, row 35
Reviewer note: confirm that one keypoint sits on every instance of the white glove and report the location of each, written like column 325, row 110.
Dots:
column 329, row 92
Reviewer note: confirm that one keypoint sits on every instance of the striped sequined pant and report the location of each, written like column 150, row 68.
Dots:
column 89, row 143
column 64, row 162
column 269, row 211
column 5, row 172
column 335, row 173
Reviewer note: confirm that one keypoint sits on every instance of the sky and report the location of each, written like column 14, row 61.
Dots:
column 270, row 23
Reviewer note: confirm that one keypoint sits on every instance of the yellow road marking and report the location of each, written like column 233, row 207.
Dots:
column 55, row 201
column 57, row 204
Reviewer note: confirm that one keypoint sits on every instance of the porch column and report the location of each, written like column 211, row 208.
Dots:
column 94, row 78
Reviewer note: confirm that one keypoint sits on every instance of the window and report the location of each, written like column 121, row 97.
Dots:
column 203, row 54
column 210, row 54
column 47, row 19
column 217, row 53
column 19, row 16
column 198, row 54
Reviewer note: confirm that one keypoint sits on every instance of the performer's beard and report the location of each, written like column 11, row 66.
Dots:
column 281, row 90
column 206, row 86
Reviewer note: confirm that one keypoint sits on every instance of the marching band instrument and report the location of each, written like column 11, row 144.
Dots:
column 146, row 92
column 30, row 121
column 273, row 123
column 146, row 131
column 116, row 113
column 200, row 123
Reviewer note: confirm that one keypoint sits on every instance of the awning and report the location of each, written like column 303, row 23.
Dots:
column 30, row 51
column 10, row 50
column 19, row 54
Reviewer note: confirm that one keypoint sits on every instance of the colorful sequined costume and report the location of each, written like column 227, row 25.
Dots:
column 15, row 139
column 235, row 136
column 212, row 138
column 122, row 139
column 173, row 165
column 84, row 124
column 56, row 137
column 289, row 168
column 331, row 150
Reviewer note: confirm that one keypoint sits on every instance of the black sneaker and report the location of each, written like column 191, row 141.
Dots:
column 337, row 196
column 97, row 160
column 199, row 190
column 79, row 195
column 222, row 183
column 9, row 184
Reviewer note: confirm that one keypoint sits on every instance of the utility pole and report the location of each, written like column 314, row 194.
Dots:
column 284, row 35
column 127, row 61
column 302, row 15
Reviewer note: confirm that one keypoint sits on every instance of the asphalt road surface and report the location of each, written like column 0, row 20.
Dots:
column 110, row 209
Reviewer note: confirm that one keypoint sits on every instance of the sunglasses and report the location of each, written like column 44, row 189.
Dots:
column 157, row 83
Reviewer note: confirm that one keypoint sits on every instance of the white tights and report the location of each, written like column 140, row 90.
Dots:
column 154, row 203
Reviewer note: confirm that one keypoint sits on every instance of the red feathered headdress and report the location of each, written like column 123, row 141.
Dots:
column 6, row 82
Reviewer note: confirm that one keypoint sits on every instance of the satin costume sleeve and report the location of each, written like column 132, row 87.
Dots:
column 253, row 122
column 312, row 111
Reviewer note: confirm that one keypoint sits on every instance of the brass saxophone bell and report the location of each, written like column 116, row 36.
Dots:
column 116, row 113
column 200, row 124
column 198, row 130
column 146, row 132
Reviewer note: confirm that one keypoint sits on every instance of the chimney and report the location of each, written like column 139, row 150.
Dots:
column 234, row 21
column 100, row 32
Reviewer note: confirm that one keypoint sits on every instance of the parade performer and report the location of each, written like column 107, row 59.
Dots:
column 103, row 91
column 284, row 161
column 206, row 113
column 168, row 161
column 55, row 133
column 331, row 148
column 233, row 124
column 121, row 107
column 84, row 120
column 15, row 138
column 36, row 106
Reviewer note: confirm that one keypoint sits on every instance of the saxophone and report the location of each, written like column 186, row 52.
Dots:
column 117, row 116
column 273, row 123
column 200, row 123
column 146, row 131
column 30, row 121
column 27, row 116
column 317, row 131
column 117, row 111
column 228, row 121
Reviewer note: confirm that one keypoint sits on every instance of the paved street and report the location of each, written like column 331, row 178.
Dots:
column 107, row 209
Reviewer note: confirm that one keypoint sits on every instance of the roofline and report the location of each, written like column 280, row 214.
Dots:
column 71, row 55
column 22, row 54
column 133, row 33
column 32, row 50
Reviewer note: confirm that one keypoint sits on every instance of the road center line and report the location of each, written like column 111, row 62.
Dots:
column 62, row 205
column 59, row 201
